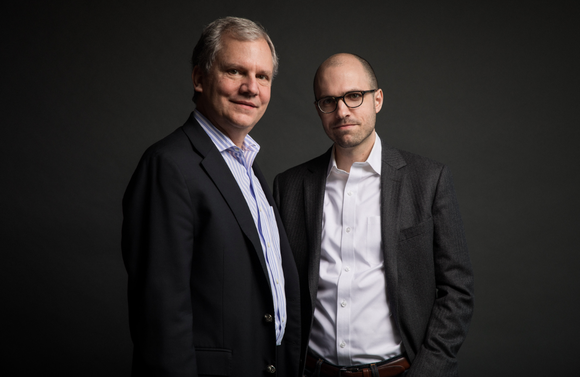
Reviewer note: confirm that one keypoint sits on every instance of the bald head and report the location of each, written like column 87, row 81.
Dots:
column 345, row 59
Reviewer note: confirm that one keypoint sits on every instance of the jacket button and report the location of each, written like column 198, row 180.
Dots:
column 268, row 318
column 271, row 369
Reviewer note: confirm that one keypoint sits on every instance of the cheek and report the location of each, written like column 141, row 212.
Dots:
column 326, row 124
column 326, row 119
column 265, row 95
column 226, row 87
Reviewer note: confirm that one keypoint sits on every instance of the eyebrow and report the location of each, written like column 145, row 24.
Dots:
column 242, row 68
column 348, row 91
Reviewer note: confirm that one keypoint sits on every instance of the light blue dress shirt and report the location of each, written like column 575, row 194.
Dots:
column 240, row 161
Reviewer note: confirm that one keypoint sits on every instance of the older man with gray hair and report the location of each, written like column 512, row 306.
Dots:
column 213, row 288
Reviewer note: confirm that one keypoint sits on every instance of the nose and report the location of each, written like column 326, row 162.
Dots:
column 341, row 109
column 250, row 86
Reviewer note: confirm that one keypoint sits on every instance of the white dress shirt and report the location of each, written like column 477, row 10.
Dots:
column 240, row 161
column 352, row 321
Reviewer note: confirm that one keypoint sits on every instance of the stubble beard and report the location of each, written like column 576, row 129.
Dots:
column 352, row 139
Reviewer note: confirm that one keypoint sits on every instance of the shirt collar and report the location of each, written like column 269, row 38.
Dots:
column 376, row 156
column 374, row 160
column 222, row 141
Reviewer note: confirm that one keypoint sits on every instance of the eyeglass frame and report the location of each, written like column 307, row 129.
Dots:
column 336, row 99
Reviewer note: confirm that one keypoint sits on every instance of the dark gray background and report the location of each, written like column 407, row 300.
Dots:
column 489, row 88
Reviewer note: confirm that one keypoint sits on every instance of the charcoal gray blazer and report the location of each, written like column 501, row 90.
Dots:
column 200, row 302
column 428, row 273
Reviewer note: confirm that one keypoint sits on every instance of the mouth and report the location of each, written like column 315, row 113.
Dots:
column 245, row 104
column 344, row 126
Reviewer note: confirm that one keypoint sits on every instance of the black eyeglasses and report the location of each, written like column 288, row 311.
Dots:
column 351, row 99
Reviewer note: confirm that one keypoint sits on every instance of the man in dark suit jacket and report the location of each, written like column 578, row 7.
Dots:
column 386, row 281
column 213, row 288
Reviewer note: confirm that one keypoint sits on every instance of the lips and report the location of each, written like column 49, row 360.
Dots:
column 245, row 103
column 339, row 126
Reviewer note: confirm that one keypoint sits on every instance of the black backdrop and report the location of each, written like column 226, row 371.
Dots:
column 489, row 88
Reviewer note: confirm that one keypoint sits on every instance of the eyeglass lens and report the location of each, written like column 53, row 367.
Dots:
column 351, row 99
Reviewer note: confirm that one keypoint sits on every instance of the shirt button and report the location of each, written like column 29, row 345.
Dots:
column 268, row 318
column 347, row 269
column 342, row 344
column 349, row 193
column 343, row 303
column 271, row 369
column 268, row 244
column 348, row 230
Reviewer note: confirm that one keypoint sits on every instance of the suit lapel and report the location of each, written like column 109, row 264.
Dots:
column 219, row 172
column 284, row 244
column 314, row 187
column 392, row 175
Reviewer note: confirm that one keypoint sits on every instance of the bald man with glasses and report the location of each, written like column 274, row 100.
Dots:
column 386, row 280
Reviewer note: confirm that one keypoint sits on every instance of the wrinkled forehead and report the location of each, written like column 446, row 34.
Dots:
column 235, row 51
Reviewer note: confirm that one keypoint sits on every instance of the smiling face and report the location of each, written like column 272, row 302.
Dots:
column 349, row 128
column 236, row 91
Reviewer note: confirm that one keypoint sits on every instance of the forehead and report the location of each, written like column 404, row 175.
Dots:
column 245, row 53
column 337, row 79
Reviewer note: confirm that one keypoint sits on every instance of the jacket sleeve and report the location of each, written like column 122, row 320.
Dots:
column 453, row 307
column 157, row 244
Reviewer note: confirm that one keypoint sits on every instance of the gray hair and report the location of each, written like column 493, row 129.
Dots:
column 242, row 29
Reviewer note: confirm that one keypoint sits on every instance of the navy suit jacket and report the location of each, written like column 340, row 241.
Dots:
column 428, row 274
column 199, row 296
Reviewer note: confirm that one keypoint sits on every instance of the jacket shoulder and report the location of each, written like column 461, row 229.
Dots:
column 171, row 145
column 180, row 143
column 414, row 162
column 418, row 160
column 310, row 166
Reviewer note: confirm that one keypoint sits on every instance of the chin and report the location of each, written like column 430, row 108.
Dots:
column 347, row 143
column 243, row 122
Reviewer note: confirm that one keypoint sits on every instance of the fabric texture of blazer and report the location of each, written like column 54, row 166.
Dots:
column 199, row 296
column 428, row 273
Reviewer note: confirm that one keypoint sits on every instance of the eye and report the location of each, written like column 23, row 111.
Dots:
column 233, row 71
column 327, row 101
column 353, row 95
column 263, row 77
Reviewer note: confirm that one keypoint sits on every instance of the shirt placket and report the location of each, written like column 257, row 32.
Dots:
column 347, row 248
column 276, row 281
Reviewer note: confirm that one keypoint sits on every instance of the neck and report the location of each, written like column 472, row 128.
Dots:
column 345, row 157
column 235, row 135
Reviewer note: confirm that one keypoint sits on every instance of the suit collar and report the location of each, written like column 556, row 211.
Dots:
column 219, row 172
column 392, row 176
column 314, row 187
column 392, row 157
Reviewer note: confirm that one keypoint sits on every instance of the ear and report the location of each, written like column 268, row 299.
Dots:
column 197, row 78
column 378, row 100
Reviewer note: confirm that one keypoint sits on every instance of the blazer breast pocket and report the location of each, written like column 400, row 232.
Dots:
column 416, row 250
column 213, row 361
column 425, row 228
